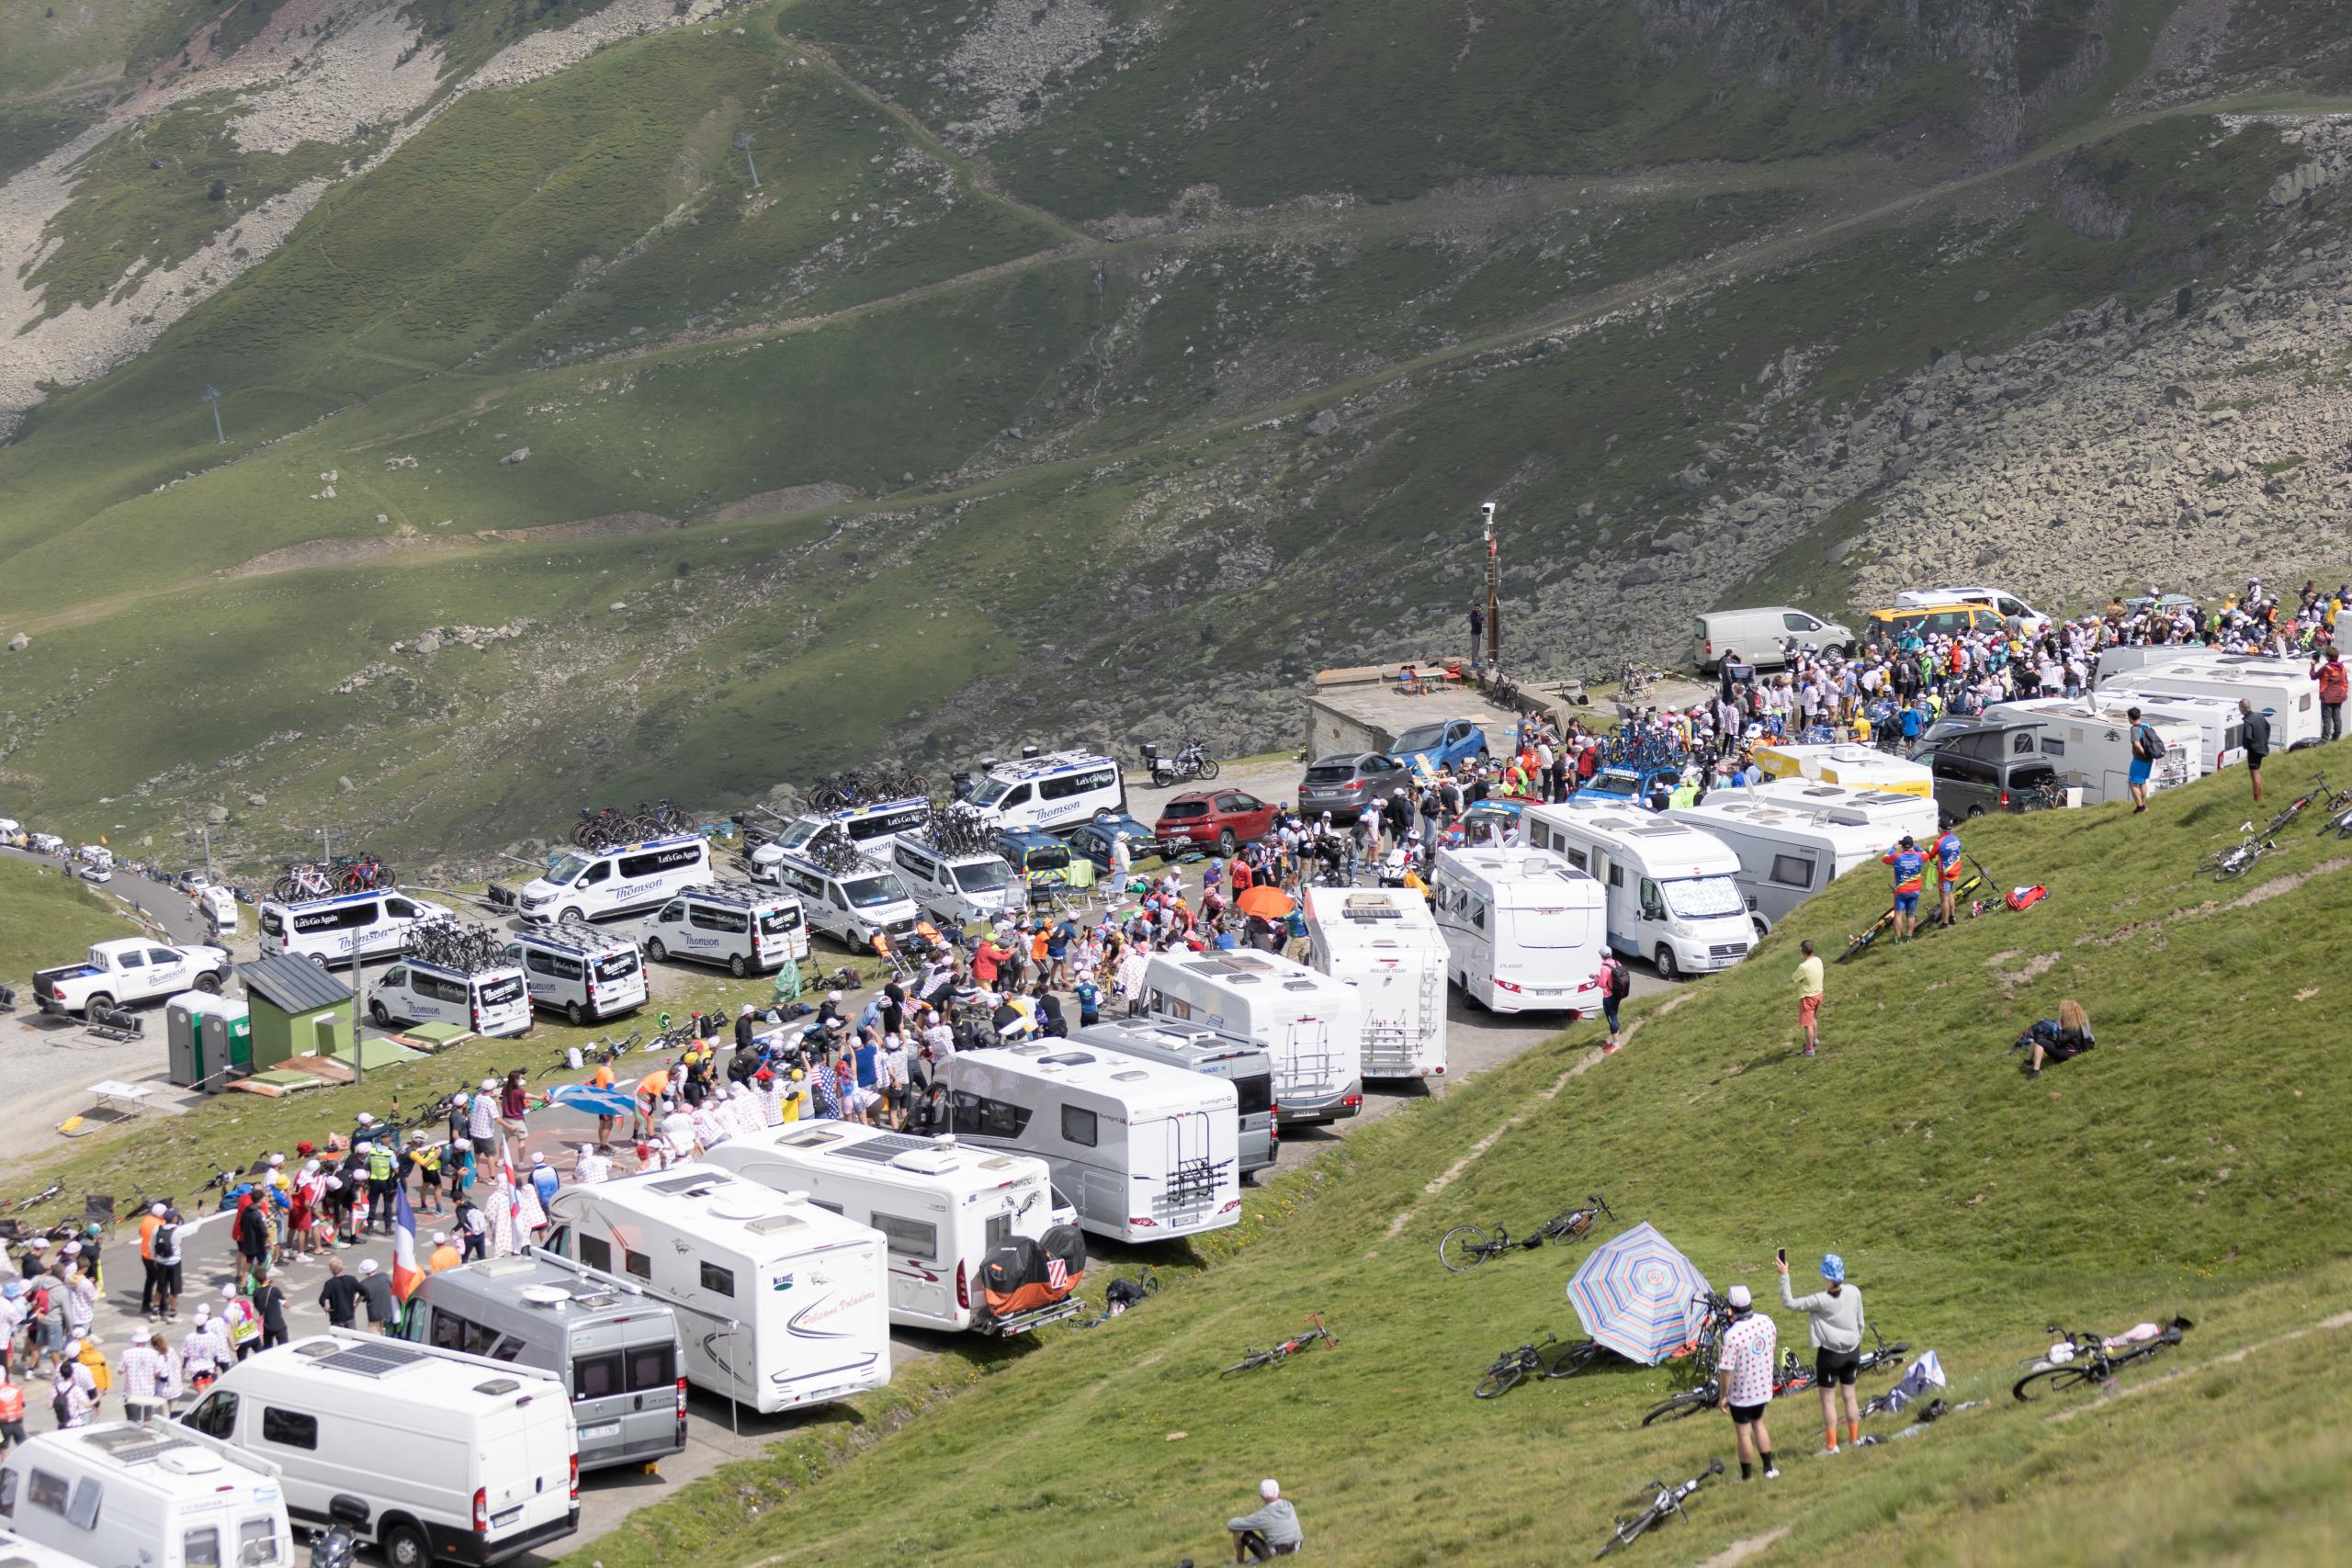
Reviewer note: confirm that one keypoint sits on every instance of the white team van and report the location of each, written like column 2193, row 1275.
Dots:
column 1060, row 789
column 328, row 931
column 781, row 1303
column 592, row 976
column 957, row 889
column 871, row 830
column 1385, row 944
column 1522, row 932
column 742, row 928
column 1311, row 1025
column 584, row 885
column 941, row 1206
column 852, row 906
column 457, row 1458
column 489, row 1001
column 158, row 1497
column 1672, row 891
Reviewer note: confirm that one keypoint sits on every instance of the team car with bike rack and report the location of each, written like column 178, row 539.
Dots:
column 584, row 883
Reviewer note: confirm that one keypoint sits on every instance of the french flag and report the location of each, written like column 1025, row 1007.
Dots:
column 406, row 1275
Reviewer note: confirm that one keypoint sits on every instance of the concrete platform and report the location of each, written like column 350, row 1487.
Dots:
column 1362, row 710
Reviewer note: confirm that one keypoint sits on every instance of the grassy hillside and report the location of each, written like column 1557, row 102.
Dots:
column 48, row 917
column 2193, row 1163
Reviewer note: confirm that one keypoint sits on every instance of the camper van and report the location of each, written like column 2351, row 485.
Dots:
column 744, row 930
column 942, row 1207
column 488, row 1001
column 1846, row 762
column 1384, row 942
column 957, row 889
column 1522, row 932
column 851, row 905
column 587, row 884
column 1890, row 814
column 1054, row 792
column 1672, row 891
column 457, row 1458
column 1146, row 1152
column 871, row 829
column 1788, row 855
column 612, row 1346
column 586, row 978
column 2093, row 749
column 2283, row 688
column 23, row 1552
column 159, row 1497
column 781, row 1304
column 328, row 931
column 1197, row 1048
column 2221, row 728
column 1309, row 1023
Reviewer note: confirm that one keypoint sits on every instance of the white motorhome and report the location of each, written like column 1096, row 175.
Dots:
column 592, row 977
column 957, row 889
column 494, row 1001
column 1672, row 891
column 328, row 931
column 2093, row 749
column 1385, row 942
column 158, row 1497
column 1522, row 932
column 1146, row 1152
column 2282, row 688
column 582, row 885
column 1786, row 853
column 1061, row 789
column 744, row 930
column 1891, row 813
column 781, row 1303
column 459, row 1457
column 2221, row 728
column 942, row 1207
column 23, row 1552
column 871, row 830
column 1311, row 1025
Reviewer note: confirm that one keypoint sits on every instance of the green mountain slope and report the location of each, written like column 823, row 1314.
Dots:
column 46, row 918
column 2193, row 1163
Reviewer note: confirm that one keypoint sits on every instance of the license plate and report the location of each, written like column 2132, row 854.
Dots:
column 500, row 1521
column 588, row 1433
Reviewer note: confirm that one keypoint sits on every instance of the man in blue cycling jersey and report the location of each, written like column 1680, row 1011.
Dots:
column 1910, row 867
column 1946, row 874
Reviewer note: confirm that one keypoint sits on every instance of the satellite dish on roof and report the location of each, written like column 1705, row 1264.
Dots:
column 543, row 1295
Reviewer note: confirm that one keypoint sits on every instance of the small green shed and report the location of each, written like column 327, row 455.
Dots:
column 298, row 1009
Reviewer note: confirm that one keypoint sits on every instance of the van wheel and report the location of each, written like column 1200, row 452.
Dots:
column 321, row 960
column 571, row 919
column 1666, row 968
column 1762, row 930
column 210, row 983
column 655, row 950
column 574, row 1014
column 404, row 1546
column 1975, row 812
column 380, row 1013
column 737, row 968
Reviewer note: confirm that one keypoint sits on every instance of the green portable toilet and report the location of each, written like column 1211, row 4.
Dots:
column 297, row 1010
column 211, row 1040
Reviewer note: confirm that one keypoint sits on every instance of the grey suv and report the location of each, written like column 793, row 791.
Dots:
column 1341, row 784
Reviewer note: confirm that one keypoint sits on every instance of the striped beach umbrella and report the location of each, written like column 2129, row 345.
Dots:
column 1635, row 1294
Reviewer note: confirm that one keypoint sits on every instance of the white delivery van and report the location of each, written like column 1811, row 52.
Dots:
column 1759, row 636
column 158, row 1497
column 870, row 828
column 2093, row 749
column 1146, row 1152
column 2282, row 688
column 1523, row 931
column 1890, row 814
column 1672, row 891
column 457, row 1458
column 328, row 931
column 782, row 1305
column 1788, row 855
column 1059, row 790
column 492, row 1001
column 959, row 889
column 585, row 885
column 744, row 930
column 852, row 905
column 1311, row 1025
column 586, row 977
column 1385, row 942
column 942, row 1208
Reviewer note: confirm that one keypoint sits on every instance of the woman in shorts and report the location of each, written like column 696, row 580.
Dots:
column 1835, row 1318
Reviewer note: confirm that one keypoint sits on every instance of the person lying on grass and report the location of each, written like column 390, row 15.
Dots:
column 2055, row 1040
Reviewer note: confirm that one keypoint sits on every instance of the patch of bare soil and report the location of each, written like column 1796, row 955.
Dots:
column 605, row 528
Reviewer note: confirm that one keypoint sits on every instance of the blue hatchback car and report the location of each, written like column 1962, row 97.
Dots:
column 1091, row 840
column 1448, row 743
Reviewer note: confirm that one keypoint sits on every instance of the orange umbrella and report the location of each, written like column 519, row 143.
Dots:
column 1266, row 903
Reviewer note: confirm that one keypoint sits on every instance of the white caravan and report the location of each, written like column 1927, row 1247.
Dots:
column 1311, row 1025
column 2093, row 749
column 1146, row 1152
column 781, row 1303
column 1786, row 853
column 2283, row 688
column 23, row 1552
column 2221, row 728
column 1673, row 891
column 1891, row 813
column 1522, row 932
column 459, row 1457
column 158, row 1497
column 941, row 1206
column 1385, row 942
column 328, row 931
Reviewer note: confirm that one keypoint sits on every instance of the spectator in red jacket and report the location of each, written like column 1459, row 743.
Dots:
column 2329, row 671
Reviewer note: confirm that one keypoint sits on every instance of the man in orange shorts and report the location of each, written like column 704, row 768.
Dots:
column 1808, row 979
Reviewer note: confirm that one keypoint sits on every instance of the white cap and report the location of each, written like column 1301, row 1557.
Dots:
column 539, row 1159
column 363, row 1148
column 1269, row 1489
column 156, row 1210
column 277, row 1160
column 365, row 1120
column 586, row 1149
column 832, row 996
column 1740, row 1300
column 204, row 1312
column 440, row 1237
column 490, row 1083
column 367, row 1266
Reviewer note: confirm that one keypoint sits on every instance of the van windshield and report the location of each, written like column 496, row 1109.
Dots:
column 991, row 792
column 983, row 876
column 563, row 868
column 866, row 892
column 1701, row 897
column 1621, row 784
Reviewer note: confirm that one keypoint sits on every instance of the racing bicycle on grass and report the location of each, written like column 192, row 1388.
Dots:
column 2237, row 859
column 1542, row 1360
column 1465, row 1246
column 2336, row 801
column 1252, row 1360
column 2087, row 1360
column 1667, row 1500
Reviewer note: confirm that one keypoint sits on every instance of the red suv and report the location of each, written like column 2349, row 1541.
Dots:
column 1226, row 817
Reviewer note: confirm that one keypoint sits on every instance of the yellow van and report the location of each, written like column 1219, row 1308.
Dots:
column 1883, row 626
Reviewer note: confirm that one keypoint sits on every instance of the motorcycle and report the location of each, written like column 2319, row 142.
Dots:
column 1191, row 760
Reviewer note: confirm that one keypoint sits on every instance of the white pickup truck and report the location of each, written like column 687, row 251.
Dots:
column 128, row 969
